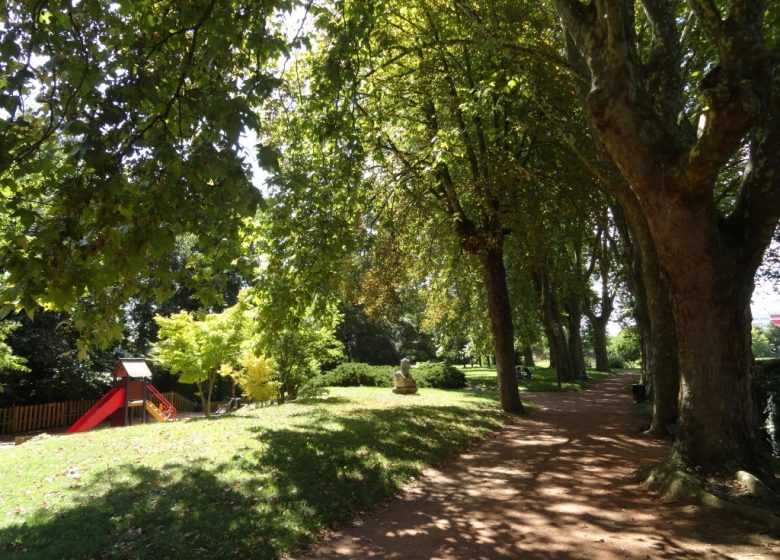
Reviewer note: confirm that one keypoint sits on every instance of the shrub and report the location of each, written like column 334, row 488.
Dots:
column 616, row 362
column 354, row 374
column 439, row 375
column 760, row 344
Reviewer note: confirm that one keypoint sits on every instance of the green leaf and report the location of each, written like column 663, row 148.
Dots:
column 268, row 158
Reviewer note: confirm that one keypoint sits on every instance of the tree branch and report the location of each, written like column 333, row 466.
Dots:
column 575, row 17
column 755, row 217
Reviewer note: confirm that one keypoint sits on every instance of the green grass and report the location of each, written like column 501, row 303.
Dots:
column 256, row 484
column 643, row 409
column 544, row 380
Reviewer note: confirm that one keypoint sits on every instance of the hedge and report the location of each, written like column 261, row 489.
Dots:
column 352, row 374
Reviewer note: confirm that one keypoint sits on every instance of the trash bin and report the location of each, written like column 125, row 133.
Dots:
column 640, row 395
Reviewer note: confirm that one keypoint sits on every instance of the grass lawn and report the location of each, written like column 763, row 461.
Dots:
column 544, row 379
column 256, row 484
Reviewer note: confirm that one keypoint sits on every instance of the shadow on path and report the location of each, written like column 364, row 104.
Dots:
column 557, row 484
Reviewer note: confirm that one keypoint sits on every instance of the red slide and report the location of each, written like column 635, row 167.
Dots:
column 111, row 401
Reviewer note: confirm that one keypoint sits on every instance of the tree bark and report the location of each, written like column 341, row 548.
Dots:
column 552, row 323
column 528, row 356
column 574, row 327
column 204, row 400
column 706, row 260
column 501, row 325
column 552, row 343
column 212, row 381
column 653, row 313
column 718, row 429
column 663, row 368
column 599, row 325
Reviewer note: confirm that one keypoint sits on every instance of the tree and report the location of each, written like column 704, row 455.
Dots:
column 441, row 120
column 366, row 339
column 8, row 360
column 196, row 348
column 651, row 112
column 119, row 131
column 603, row 264
column 773, row 335
column 759, row 343
column 299, row 348
column 48, row 344
column 257, row 377
column 626, row 345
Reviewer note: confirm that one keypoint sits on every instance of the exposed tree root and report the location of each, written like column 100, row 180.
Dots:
column 745, row 495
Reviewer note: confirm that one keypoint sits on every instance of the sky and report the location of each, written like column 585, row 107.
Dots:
column 766, row 300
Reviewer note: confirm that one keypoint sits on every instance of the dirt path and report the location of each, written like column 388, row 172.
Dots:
column 557, row 484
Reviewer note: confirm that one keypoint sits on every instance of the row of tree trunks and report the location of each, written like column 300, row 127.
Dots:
column 711, row 311
column 555, row 328
column 653, row 314
column 702, row 260
column 652, row 303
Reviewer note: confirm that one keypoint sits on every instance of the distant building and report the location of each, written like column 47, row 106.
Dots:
column 765, row 320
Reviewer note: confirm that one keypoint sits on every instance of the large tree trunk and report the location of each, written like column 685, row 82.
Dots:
column 502, row 328
column 653, row 313
column 663, row 368
column 553, row 327
column 599, row 325
column 528, row 356
column 712, row 313
column 574, row 327
column 645, row 357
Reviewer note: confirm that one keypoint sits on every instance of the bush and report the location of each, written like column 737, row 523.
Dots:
column 616, row 362
column 760, row 344
column 439, row 375
column 353, row 374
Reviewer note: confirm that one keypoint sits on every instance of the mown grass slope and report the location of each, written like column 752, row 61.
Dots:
column 254, row 484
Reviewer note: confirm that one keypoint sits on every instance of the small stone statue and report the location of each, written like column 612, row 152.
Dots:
column 403, row 382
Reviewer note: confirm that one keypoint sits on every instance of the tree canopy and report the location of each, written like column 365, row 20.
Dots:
column 471, row 169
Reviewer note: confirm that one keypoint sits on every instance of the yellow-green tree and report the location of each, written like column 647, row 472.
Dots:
column 196, row 347
column 257, row 377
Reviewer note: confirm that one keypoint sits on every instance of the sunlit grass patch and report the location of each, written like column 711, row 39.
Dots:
column 543, row 380
column 254, row 484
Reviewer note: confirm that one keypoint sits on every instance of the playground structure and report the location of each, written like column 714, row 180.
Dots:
column 131, row 390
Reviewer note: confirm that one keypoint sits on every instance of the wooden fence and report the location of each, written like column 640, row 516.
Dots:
column 31, row 418
column 182, row 404
column 34, row 417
